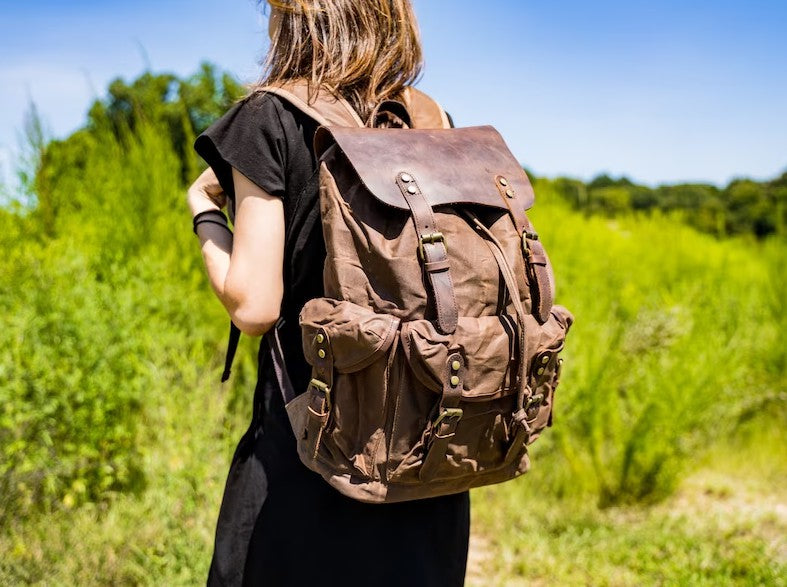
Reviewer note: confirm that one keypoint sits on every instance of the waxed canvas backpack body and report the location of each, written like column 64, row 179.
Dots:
column 435, row 350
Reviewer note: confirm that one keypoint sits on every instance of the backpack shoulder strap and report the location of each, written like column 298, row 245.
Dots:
column 328, row 109
column 323, row 106
column 424, row 110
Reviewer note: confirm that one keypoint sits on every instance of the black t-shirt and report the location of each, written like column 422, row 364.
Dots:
column 351, row 543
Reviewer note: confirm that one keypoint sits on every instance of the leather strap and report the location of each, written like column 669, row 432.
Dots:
column 279, row 366
column 540, row 273
column 523, row 392
column 320, row 403
column 537, row 263
column 434, row 255
column 319, row 406
column 424, row 110
column 447, row 418
column 513, row 289
column 324, row 106
column 232, row 347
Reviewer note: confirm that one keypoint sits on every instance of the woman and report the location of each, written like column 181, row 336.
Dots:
column 281, row 524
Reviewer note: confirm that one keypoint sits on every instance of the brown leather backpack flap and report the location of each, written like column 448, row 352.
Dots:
column 450, row 166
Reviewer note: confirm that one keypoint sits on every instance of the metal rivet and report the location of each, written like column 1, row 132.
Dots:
column 541, row 371
column 412, row 189
column 321, row 354
column 510, row 193
column 454, row 380
column 406, row 178
column 456, row 365
column 320, row 338
column 503, row 181
column 545, row 359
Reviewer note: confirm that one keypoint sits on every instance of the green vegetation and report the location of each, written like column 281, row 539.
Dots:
column 664, row 464
column 742, row 207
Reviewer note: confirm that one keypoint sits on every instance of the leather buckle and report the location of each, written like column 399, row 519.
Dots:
column 533, row 401
column 435, row 237
column 323, row 387
column 448, row 414
column 526, row 236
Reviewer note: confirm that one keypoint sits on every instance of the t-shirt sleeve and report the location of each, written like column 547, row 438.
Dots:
column 250, row 138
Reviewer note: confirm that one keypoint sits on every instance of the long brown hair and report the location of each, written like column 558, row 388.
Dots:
column 365, row 50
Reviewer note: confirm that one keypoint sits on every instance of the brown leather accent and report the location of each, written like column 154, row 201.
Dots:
column 390, row 114
column 323, row 106
column 444, row 425
column 320, row 404
column 541, row 274
column 453, row 166
column 316, row 422
column 435, row 266
column 425, row 112
column 541, row 280
column 435, row 256
column 521, row 436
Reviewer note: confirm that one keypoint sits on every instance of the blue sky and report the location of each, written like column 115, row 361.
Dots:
column 660, row 91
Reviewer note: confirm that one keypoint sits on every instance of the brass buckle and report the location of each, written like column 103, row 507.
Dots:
column 526, row 236
column 534, row 401
column 448, row 413
column 435, row 237
column 323, row 387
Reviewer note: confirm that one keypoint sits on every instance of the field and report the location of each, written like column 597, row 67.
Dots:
column 665, row 464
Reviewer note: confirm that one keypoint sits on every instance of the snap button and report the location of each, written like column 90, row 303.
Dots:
column 319, row 338
column 503, row 181
column 412, row 189
column 406, row 178
column 321, row 354
column 454, row 381
column 455, row 365
column 510, row 193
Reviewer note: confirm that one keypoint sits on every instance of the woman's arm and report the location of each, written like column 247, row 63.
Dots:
column 245, row 271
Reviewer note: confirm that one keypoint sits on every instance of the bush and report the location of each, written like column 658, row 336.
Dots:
column 676, row 333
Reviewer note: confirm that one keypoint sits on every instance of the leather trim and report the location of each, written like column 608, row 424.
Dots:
column 452, row 166
column 434, row 255
column 324, row 107
column 425, row 111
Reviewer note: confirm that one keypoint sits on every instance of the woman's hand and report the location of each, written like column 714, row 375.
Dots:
column 206, row 193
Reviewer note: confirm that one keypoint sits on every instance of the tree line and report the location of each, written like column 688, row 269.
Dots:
column 743, row 206
column 185, row 107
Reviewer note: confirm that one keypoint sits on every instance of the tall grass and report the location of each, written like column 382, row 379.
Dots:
column 106, row 312
column 677, row 334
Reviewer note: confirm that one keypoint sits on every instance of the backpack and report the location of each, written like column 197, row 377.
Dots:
column 435, row 350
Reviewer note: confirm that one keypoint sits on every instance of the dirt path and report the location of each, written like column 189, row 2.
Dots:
column 479, row 555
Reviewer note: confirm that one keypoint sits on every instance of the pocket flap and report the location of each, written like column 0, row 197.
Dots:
column 357, row 335
column 486, row 343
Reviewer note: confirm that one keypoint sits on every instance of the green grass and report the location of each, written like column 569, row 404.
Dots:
column 725, row 525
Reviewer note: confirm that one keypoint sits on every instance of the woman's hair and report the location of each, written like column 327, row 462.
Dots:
column 365, row 50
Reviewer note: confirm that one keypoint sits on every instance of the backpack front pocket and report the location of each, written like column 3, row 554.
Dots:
column 349, row 348
column 477, row 432
column 472, row 436
column 546, row 342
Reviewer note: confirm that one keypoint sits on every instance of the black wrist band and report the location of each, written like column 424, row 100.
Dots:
column 211, row 221
column 213, row 216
